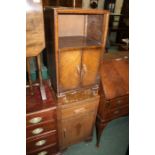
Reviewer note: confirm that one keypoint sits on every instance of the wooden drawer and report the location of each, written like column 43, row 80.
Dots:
column 79, row 108
column 40, row 128
column 47, row 150
column 41, row 116
column 117, row 112
column 119, row 102
column 40, row 141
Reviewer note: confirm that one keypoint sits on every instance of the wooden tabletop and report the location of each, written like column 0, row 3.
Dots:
column 34, row 28
column 114, row 73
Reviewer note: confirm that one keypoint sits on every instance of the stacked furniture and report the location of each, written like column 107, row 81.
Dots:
column 75, row 42
column 41, row 110
column 41, row 122
column 114, row 90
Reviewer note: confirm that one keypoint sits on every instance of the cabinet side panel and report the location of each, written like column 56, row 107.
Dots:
column 50, row 45
column 94, row 27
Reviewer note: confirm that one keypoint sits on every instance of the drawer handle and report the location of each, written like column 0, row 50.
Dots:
column 42, row 153
column 79, row 110
column 78, row 69
column 116, row 112
column 40, row 143
column 119, row 101
column 37, row 131
column 35, row 120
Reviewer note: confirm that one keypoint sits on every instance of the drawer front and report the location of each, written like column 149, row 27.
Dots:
column 115, row 113
column 119, row 102
column 40, row 117
column 118, row 112
column 47, row 150
column 40, row 128
column 41, row 141
column 75, row 110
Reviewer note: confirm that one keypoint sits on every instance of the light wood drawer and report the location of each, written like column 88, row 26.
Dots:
column 41, row 116
column 40, row 128
column 80, row 108
column 41, row 141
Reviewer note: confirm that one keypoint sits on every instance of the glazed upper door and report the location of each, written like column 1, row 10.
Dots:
column 76, row 129
column 69, row 69
column 90, row 65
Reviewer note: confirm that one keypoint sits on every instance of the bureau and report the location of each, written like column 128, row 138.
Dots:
column 114, row 89
column 41, row 123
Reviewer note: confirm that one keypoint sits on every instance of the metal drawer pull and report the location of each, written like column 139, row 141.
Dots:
column 37, row 131
column 42, row 153
column 40, row 143
column 80, row 110
column 35, row 120
column 78, row 69
column 116, row 112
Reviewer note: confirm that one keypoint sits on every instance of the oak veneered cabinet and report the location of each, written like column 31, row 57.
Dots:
column 76, row 129
column 75, row 42
column 76, row 120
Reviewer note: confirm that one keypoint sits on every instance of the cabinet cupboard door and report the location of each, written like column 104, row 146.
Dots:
column 90, row 65
column 69, row 69
column 76, row 129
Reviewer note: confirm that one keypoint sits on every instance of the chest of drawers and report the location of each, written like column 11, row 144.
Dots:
column 114, row 95
column 41, row 123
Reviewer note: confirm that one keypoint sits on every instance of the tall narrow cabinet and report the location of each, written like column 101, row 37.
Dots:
column 75, row 42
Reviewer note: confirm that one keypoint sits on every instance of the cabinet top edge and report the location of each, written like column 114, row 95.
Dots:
column 68, row 10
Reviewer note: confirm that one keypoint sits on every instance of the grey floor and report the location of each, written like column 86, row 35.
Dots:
column 114, row 141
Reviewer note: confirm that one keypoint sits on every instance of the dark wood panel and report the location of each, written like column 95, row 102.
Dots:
column 51, row 149
column 46, row 127
column 40, row 141
column 45, row 115
column 35, row 103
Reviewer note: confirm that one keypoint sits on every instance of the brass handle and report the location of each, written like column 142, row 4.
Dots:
column 42, row 153
column 37, row 131
column 78, row 69
column 116, row 112
column 35, row 120
column 40, row 143
column 79, row 110
column 85, row 68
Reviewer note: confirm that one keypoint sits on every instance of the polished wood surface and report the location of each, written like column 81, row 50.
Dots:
column 69, row 66
column 62, row 37
column 90, row 65
column 41, row 121
column 48, row 138
column 115, row 77
column 114, row 93
column 35, row 103
column 76, row 121
column 34, row 28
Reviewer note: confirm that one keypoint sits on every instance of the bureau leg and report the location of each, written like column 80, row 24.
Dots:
column 99, row 130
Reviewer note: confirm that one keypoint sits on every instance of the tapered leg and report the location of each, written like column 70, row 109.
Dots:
column 99, row 130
